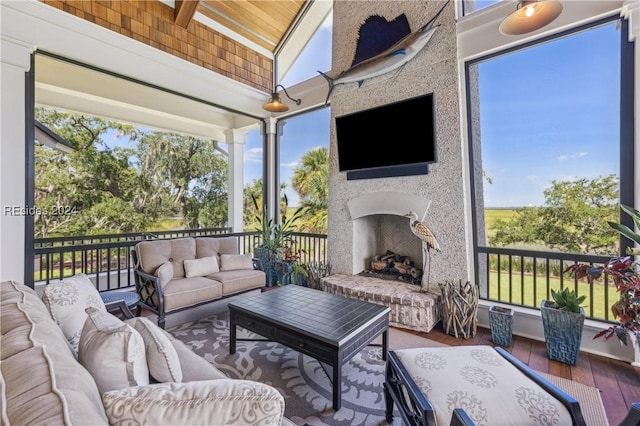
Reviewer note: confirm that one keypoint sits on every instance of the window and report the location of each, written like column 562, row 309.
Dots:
column 547, row 164
column 316, row 56
column 470, row 6
column 304, row 167
column 549, row 121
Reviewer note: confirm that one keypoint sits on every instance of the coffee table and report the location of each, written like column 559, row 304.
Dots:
column 327, row 327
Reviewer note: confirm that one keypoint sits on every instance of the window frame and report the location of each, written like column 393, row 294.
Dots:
column 627, row 143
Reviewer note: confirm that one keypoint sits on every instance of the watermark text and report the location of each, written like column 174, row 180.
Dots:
column 39, row 211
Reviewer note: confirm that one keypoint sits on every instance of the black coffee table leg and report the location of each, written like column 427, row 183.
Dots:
column 385, row 343
column 337, row 385
column 232, row 334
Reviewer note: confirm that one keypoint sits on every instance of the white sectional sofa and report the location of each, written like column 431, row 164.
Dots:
column 42, row 382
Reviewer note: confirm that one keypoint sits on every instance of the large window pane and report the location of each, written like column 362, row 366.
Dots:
column 304, row 167
column 549, row 125
column 315, row 57
column 546, row 161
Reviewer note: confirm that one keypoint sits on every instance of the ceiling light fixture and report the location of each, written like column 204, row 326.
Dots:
column 275, row 104
column 530, row 15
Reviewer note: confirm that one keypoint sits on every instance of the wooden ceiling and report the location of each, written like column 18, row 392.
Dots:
column 264, row 22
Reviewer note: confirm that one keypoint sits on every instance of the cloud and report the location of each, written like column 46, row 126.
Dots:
column 291, row 165
column 253, row 155
column 531, row 177
column 572, row 156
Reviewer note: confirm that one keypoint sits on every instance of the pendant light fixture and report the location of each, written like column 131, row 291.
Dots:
column 530, row 15
column 275, row 104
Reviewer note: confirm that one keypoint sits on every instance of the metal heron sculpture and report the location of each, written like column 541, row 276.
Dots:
column 429, row 241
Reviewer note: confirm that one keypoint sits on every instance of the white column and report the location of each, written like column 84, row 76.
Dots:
column 236, row 141
column 271, row 180
column 15, row 59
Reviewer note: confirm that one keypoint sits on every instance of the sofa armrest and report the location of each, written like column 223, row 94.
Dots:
column 223, row 402
column 256, row 264
column 149, row 288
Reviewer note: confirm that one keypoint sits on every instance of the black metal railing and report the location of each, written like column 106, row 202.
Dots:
column 526, row 277
column 107, row 258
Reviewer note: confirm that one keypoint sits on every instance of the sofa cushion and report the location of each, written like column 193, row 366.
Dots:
column 152, row 254
column 194, row 367
column 201, row 267
column 32, row 328
column 239, row 280
column 165, row 273
column 67, row 301
column 162, row 358
column 231, row 262
column 183, row 292
column 12, row 291
column 491, row 389
column 113, row 352
column 215, row 246
column 46, row 388
column 36, row 357
column 221, row 402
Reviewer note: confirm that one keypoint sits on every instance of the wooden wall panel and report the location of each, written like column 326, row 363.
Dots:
column 151, row 22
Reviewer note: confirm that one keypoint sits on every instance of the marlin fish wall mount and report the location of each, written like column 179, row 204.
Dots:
column 406, row 45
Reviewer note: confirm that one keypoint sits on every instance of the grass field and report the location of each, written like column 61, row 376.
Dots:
column 491, row 216
column 522, row 292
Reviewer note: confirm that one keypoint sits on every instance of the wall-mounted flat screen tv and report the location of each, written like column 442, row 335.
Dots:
column 396, row 139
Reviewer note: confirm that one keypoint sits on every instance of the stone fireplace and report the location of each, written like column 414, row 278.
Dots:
column 380, row 224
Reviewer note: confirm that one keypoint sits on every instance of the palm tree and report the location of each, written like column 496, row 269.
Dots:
column 311, row 182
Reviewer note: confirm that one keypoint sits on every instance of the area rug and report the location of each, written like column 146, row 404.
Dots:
column 589, row 397
column 305, row 385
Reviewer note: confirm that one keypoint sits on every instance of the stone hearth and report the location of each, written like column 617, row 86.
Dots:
column 410, row 308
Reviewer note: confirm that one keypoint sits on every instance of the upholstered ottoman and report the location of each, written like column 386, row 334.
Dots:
column 472, row 384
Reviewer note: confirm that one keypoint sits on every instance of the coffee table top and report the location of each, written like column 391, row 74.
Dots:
column 328, row 317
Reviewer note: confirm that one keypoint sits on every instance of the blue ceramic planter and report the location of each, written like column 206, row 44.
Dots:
column 501, row 324
column 267, row 261
column 562, row 332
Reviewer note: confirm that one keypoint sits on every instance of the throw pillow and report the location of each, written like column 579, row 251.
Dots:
column 219, row 402
column 113, row 352
column 162, row 357
column 67, row 301
column 230, row 262
column 165, row 273
column 201, row 267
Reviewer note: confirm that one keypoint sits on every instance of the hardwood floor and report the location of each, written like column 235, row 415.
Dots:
column 618, row 381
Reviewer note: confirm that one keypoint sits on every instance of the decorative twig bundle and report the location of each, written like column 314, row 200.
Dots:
column 460, row 308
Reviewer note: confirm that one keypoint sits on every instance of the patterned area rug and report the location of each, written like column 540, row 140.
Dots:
column 305, row 385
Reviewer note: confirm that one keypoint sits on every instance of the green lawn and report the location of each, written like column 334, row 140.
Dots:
column 491, row 216
column 522, row 293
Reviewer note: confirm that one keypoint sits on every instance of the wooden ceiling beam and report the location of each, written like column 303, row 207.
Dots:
column 184, row 11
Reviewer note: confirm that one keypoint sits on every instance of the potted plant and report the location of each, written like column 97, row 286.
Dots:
column 501, row 324
column 562, row 322
column 296, row 274
column 275, row 238
column 624, row 272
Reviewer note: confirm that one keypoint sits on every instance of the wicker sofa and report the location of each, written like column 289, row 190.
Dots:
column 42, row 382
column 177, row 274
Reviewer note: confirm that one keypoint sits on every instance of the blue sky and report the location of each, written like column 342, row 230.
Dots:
column 550, row 112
